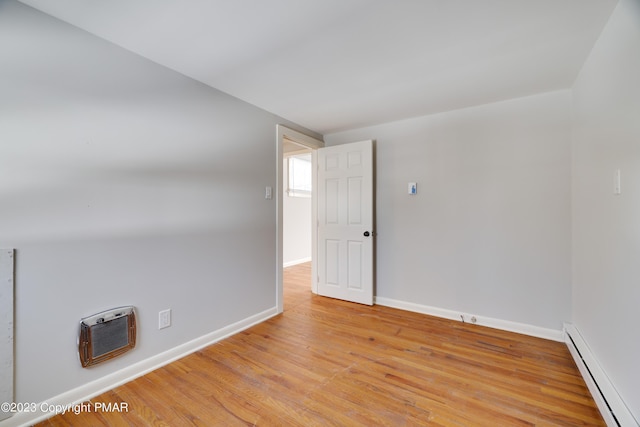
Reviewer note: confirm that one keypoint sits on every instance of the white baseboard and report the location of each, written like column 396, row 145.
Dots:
column 296, row 262
column 506, row 325
column 612, row 407
column 108, row 382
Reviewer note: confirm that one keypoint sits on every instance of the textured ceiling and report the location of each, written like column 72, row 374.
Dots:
column 331, row 65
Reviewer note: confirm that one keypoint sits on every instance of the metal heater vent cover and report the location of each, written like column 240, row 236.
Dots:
column 106, row 335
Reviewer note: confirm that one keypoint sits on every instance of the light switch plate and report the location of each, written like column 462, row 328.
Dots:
column 617, row 189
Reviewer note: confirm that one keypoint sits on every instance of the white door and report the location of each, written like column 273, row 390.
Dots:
column 6, row 329
column 345, row 222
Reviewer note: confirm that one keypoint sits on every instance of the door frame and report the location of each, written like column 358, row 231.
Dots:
column 283, row 132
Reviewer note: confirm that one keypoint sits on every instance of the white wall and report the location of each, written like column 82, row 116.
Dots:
column 489, row 231
column 296, row 230
column 122, row 182
column 606, row 227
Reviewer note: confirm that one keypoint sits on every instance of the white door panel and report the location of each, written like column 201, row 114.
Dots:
column 345, row 222
column 6, row 328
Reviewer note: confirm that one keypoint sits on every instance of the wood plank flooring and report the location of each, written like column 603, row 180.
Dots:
column 325, row 362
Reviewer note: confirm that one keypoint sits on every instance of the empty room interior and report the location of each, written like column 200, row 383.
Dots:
column 151, row 159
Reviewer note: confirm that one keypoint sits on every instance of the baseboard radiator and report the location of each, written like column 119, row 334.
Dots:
column 612, row 407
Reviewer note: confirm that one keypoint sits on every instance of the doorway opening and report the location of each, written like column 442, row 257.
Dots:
column 297, row 204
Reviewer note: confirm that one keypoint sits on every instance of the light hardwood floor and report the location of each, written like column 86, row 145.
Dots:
column 332, row 363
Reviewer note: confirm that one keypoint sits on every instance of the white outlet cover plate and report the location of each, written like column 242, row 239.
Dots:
column 164, row 319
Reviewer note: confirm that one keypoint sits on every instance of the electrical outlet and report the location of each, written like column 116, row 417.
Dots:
column 164, row 319
column 467, row 317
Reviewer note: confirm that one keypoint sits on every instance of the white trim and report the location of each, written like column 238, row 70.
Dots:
column 610, row 403
column 505, row 325
column 314, row 221
column 313, row 143
column 109, row 382
column 296, row 262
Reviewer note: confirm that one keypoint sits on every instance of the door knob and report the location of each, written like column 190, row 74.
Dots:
column 367, row 234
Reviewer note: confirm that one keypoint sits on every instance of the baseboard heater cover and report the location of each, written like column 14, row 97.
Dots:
column 106, row 335
column 612, row 407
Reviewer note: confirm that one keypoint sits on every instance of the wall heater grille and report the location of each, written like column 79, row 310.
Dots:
column 106, row 335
